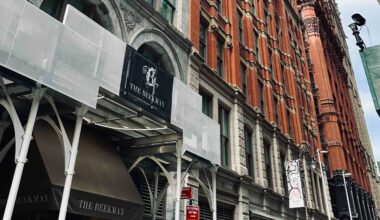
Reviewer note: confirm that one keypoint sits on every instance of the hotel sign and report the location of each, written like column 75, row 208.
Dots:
column 371, row 62
column 146, row 85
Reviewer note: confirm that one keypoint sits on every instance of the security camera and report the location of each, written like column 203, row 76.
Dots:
column 359, row 20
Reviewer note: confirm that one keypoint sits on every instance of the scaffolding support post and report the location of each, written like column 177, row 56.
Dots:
column 80, row 112
column 214, row 169
column 22, row 158
column 178, row 180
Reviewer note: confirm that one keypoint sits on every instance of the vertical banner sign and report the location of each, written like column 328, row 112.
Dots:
column 293, row 176
column 371, row 63
column 187, row 193
column 192, row 212
column 146, row 85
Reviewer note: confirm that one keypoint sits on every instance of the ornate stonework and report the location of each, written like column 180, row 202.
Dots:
column 303, row 3
column 311, row 25
column 130, row 18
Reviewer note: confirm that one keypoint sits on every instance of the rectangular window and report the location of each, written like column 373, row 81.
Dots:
column 270, row 60
column 219, row 6
column 248, row 151
column 254, row 7
column 167, row 8
column 268, row 166
column 220, row 57
column 257, row 41
column 150, row 2
column 206, row 104
column 203, row 40
column 278, row 31
column 267, row 18
column 241, row 27
column 224, row 135
column 262, row 97
column 275, row 105
column 283, row 172
column 243, row 75
column 283, row 76
column 289, row 116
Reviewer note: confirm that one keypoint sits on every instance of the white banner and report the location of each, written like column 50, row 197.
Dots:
column 293, row 176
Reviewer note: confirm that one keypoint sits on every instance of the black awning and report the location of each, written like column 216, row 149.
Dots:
column 102, row 186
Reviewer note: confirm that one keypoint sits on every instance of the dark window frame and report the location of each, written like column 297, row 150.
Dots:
column 220, row 56
column 257, row 46
column 270, row 60
column 244, row 78
column 203, row 34
column 219, row 6
column 249, row 151
column 223, row 119
column 268, row 163
column 276, row 109
column 261, row 91
column 241, row 27
column 207, row 102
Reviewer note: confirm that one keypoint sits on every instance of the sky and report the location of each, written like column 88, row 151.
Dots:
column 369, row 9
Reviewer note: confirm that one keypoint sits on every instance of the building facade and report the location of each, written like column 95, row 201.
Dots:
column 250, row 67
column 340, row 117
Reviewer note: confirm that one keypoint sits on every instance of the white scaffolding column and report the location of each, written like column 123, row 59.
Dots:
column 80, row 112
column 214, row 169
column 178, row 180
column 209, row 189
column 21, row 159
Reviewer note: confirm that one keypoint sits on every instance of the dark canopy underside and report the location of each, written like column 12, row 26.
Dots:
column 102, row 186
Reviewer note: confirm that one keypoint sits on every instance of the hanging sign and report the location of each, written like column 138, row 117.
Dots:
column 192, row 212
column 293, row 176
column 146, row 85
column 187, row 193
column 370, row 58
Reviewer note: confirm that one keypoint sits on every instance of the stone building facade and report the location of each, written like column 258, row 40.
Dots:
column 249, row 62
column 340, row 117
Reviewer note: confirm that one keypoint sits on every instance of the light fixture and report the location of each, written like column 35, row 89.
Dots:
column 359, row 20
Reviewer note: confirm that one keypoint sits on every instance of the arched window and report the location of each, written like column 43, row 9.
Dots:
column 157, row 55
column 94, row 9
column 268, row 163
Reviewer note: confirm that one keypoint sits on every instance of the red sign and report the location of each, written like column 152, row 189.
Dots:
column 192, row 212
column 187, row 193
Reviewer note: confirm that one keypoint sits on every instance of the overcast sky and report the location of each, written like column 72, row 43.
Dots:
column 370, row 9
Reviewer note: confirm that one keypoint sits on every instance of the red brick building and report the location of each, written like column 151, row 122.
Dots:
column 263, row 52
column 289, row 71
column 332, row 82
column 256, row 48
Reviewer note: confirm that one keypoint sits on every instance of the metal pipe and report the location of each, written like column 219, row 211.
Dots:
column 155, row 191
column 71, row 166
column 214, row 205
column 178, row 184
column 345, row 189
column 323, row 185
column 21, row 160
